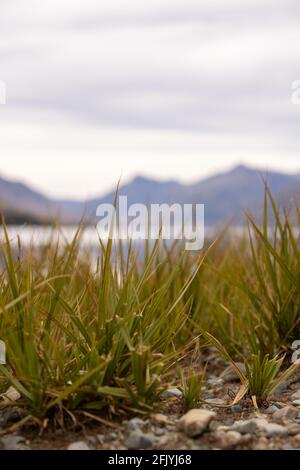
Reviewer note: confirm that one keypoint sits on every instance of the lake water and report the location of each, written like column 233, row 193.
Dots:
column 41, row 235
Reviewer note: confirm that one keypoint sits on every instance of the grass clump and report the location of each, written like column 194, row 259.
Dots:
column 86, row 338
column 78, row 339
column 191, row 384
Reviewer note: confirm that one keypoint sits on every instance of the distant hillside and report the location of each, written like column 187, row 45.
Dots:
column 19, row 203
column 225, row 195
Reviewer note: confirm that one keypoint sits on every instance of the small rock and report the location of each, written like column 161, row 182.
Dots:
column 296, row 402
column 296, row 395
column 11, row 395
column 270, row 429
column 297, row 437
column 235, row 409
column 271, row 410
column 195, row 422
column 246, row 438
column 230, row 374
column 228, row 440
column 288, row 412
column 245, row 427
column 160, row 419
column 222, row 427
column 135, row 424
column 293, row 429
column 279, row 404
column 262, row 444
column 168, row 440
column 274, row 430
column 139, row 441
column 280, row 389
column 78, row 446
column 13, row 442
column 172, row 393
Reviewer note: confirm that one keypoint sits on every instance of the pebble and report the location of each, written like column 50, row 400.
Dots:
column 235, row 409
column 288, row 412
column 228, row 440
column 296, row 395
column 296, row 402
column 271, row 410
column 214, row 426
column 195, row 422
column 279, row 404
column 13, row 442
column 252, row 426
column 11, row 395
column 78, row 446
column 135, row 424
column 160, row 419
column 262, row 444
column 245, row 427
column 172, row 393
column 293, row 429
column 139, row 441
column 274, row 430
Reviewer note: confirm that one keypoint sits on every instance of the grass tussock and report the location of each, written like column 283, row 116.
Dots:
column 113, row 337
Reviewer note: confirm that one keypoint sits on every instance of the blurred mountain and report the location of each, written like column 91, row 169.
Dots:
column 19, row 203
column 225, row 195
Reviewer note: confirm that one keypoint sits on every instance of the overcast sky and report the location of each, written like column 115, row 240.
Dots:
column 166, row 88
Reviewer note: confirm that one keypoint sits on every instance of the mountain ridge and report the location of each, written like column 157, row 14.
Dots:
column 226, row 194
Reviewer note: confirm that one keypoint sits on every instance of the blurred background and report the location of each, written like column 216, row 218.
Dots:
column 186, row 101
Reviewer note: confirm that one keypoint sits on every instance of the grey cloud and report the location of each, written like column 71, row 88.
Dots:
column 207, row 77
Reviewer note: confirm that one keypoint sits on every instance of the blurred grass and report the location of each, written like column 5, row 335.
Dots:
column 111, row 337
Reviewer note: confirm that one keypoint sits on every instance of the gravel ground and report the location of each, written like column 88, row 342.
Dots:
column 276, row 425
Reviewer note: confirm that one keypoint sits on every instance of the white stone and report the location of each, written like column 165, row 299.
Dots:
column 172, row 393
column 228, row 440
column 196, row 422
column 11, row 395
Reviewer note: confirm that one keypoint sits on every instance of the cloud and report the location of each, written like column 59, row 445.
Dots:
column 221, row 70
